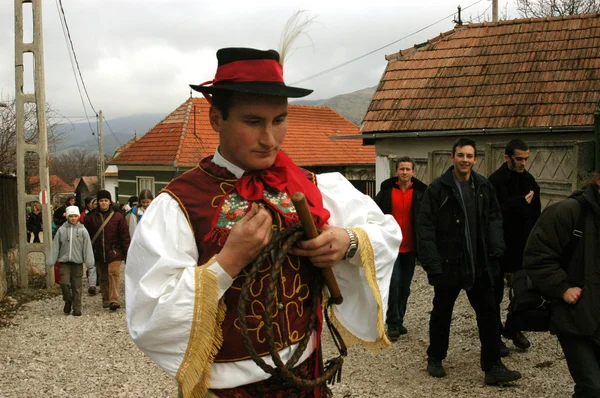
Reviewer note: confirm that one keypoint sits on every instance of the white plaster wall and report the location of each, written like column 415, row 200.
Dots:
column 110, row 184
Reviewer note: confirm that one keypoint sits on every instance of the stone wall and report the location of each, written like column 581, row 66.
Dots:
column 9, row 271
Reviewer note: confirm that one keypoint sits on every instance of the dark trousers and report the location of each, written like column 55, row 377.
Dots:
column 70, row 283
column 508, row 329
column 583, row 360
column 481, row 297
column 402, row 275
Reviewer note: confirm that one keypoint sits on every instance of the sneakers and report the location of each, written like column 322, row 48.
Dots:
column 499, row 374
column 435, row 367
column 504, row 351
column 67, row 307
column 114, row 306
column 520, row 341
column 92, row 290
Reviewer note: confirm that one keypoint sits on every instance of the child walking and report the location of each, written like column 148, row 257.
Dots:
column 72, row 247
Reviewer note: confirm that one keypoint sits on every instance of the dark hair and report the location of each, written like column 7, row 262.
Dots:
column 68, row 199
column 405, row 159
column 88, row 200
column 463, row 141
column 145, row 194
column 517, row 143
column 222, row 101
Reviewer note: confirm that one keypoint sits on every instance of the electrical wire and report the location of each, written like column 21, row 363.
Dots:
column 111, row 130
column 62, row 23
column 75, row 56
column 377, row 49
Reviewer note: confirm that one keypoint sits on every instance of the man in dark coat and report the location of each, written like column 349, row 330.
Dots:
column 401, row 197
column 110, row 247
column 519, row 198
column 459, row 236
column 575, row 287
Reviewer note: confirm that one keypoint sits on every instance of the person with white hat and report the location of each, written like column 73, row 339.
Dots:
column 71, row 247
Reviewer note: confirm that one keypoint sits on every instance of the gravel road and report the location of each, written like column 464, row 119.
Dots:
column 46, row 353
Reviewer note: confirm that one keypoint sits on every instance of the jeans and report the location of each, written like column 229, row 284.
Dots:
column 402, row 275
column 583, row 360
column 70, row 283
column 481, row 297
column 508, row 329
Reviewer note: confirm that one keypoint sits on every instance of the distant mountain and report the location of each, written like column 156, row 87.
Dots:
column 353, row 106
column 117, row 132
column 307, row 102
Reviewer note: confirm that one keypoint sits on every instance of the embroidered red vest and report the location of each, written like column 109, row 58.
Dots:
column 199, row 193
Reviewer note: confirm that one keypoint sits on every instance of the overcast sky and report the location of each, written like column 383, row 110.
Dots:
column 138, row 56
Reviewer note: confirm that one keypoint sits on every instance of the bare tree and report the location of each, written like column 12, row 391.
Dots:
column 74, row 164
column 554, row 8
column 8, row 136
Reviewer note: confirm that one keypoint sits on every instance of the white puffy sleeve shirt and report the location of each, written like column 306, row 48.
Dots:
column 160, row 280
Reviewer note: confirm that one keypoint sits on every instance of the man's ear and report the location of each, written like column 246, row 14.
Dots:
column 506, row 158
column 216, row 119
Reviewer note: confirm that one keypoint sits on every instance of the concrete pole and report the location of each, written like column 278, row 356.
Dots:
column 101, row 145
column 38, row 97
column 494, row 10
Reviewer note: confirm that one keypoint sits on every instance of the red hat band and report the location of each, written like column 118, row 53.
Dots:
column 254, row 70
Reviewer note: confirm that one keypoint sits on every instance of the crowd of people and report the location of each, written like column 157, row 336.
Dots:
column 220, row 289
column 96, row 236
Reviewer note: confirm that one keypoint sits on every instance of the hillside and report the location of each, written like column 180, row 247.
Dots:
column 352, row 106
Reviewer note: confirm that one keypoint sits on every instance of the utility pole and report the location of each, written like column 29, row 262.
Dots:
column 494, row 10
column 101, row 145
column 38, row 97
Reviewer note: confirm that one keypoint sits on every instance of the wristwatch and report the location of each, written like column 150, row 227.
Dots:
column 353, row 244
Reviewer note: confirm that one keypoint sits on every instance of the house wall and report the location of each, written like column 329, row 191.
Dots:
column 559, row 162
column 111, row 184
column 129, row 181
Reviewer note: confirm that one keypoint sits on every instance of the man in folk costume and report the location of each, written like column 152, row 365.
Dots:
column 210, row 298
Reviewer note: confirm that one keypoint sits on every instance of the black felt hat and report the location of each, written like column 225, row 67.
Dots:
column 247, row 70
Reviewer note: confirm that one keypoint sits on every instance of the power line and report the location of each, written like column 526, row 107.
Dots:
column 376, row 50
column 111, row 130
column 73, row 66
column 75, row 56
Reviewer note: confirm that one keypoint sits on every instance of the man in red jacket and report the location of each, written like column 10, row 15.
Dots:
column 110, row 241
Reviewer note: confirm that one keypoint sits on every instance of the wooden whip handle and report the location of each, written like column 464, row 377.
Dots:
column 310, row 230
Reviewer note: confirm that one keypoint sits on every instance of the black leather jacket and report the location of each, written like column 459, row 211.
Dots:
column 441, row 232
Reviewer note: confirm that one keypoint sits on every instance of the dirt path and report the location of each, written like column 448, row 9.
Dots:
column 46, row 353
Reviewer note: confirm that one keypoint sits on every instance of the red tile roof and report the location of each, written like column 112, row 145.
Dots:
column 523, row 73
column 185, row 136
column 57, row 185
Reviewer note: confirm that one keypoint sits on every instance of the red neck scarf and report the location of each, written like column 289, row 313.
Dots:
column 284, row 176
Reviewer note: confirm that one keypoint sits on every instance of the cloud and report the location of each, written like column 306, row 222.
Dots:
column 139, row 56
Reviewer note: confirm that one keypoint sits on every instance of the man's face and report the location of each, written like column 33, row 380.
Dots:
column 405, row 171
column 73, row 218
column 518, row 161
column 254, row 131
column 463, row 159
column 104, row 204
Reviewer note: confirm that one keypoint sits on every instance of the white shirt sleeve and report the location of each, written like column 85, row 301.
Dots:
column 350, row 208
column 160, row 284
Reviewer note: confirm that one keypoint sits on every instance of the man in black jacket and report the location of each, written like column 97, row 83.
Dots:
column 519, row 198
column 401, row 197
column 575, row 287
column 459, row 236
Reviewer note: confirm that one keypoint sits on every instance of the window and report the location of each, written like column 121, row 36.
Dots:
column 145, row 183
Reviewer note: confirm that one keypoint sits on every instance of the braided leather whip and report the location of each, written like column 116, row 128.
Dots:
column 281, row 243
